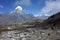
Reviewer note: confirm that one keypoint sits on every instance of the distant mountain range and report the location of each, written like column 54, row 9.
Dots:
column 12, row 18
column 42, row 17
column 17, row 16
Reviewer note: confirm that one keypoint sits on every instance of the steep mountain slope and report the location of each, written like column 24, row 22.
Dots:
column 53, row 21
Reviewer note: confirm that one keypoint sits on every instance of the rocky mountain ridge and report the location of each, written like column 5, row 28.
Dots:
column 53, row 21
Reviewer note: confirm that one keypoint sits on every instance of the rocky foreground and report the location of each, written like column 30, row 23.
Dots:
column 30, row 34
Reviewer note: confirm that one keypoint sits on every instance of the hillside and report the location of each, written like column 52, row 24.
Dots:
column 53, row 21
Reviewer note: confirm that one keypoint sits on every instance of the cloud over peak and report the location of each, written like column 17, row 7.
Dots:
column 18, row 9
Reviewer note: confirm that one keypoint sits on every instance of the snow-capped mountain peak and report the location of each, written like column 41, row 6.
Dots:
column 18, row 9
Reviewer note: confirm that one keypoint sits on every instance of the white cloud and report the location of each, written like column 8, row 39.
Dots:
column 50, row 7
column 1, row 6
column 18, row 9
column 23, row 2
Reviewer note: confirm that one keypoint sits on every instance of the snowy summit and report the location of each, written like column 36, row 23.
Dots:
column 18, row 8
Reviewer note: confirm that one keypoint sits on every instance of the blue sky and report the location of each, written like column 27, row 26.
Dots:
column 36, row 7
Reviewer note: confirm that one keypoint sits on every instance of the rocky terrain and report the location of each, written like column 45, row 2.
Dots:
column 52, row 22
column 37, row 30
column 30, row 34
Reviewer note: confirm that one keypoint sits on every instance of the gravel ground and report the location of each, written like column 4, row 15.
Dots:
column 31, row 34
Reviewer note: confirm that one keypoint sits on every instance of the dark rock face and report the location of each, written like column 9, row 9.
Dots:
column 54, row 18
column 52, row 21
